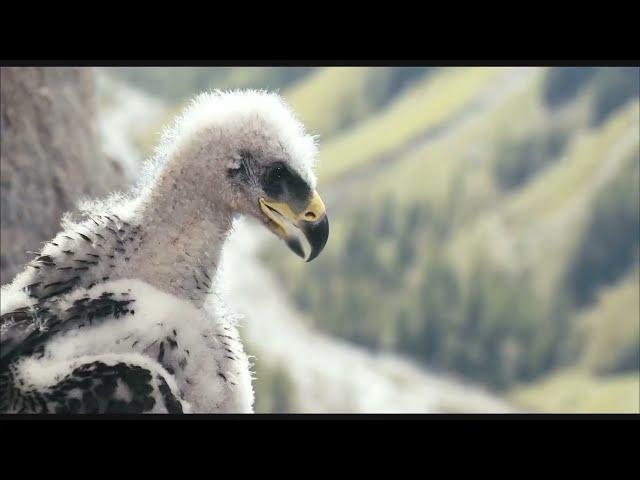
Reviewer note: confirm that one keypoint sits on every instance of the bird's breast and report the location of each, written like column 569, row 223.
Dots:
column 202, row 351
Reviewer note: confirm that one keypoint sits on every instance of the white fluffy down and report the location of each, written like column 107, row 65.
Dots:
column 157, row 315
column 256, row 111
column 160, row 245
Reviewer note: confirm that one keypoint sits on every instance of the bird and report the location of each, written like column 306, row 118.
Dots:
column 110, row 317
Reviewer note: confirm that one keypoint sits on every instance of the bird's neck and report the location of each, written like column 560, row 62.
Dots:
column 180, row 244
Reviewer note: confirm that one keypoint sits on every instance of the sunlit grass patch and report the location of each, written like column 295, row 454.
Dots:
column 319, row 99
column 576, row 391
column 422, row 106
column 556, row 186
column 537, row 227
column 427, row 173
column 611, row 328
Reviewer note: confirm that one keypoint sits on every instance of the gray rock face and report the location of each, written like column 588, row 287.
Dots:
column 50, row 156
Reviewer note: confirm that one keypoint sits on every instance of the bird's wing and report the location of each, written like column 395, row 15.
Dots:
column 15, row 327
column 32, row 382
column 112, row 383
column 25, row 330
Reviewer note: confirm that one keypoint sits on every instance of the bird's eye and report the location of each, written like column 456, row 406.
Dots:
column 276, row 173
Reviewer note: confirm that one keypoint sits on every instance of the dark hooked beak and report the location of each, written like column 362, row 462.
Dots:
column 317, row 234
column 312, row 222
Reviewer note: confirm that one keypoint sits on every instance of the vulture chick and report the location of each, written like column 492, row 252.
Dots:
column 109, row 316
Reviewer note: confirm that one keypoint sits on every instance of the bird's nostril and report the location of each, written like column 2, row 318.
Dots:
column 310, row 216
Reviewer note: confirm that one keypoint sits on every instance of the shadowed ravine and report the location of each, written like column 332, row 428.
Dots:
column 328, row 374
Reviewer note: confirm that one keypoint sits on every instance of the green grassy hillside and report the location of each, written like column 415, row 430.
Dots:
column 576, row 391
column 610, row 329
column 423, row 106
column 460, row 249
column 538, row 226
column 333, row 98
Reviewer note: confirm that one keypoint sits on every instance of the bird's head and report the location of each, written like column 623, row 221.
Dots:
column 258, row 162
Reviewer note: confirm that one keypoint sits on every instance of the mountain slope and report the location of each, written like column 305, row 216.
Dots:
column 332, row 98
column 434, row 219
column 423, row 105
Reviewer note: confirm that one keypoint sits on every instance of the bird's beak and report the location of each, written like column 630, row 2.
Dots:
column 312, row 221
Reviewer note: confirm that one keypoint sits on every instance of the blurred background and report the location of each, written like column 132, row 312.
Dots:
column 485, row 227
